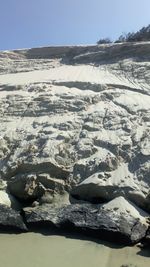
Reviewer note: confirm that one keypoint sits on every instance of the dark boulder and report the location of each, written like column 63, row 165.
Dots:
column 11, row 220
column 113, row 221
column 104, row 224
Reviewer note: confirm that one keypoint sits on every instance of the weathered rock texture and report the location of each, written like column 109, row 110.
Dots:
column 76, row 119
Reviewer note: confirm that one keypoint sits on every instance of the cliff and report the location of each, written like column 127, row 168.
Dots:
column 75, row 135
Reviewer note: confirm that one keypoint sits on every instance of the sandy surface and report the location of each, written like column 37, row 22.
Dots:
column 36, row 250
column 65, row 73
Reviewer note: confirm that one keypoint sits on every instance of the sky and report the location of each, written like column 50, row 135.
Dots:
column 35, row 23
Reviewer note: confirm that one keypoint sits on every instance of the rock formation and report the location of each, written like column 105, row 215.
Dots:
column 76, row 121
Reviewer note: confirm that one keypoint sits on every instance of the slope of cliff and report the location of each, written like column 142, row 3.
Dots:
column 76, row 120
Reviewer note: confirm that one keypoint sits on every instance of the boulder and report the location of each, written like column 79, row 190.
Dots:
column 11, row 220
column 9, row 200
column 25, row 187
column 104, row 186
column 118, row 220
column 35, row 186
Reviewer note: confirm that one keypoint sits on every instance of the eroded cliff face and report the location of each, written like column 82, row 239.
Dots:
column 76, row 120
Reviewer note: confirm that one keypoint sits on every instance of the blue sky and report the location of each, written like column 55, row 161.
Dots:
column 33, row 23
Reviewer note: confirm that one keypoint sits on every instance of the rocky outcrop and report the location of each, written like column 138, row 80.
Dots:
column 76, row 120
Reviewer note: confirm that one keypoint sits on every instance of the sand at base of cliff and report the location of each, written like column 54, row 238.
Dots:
column 36, row 250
